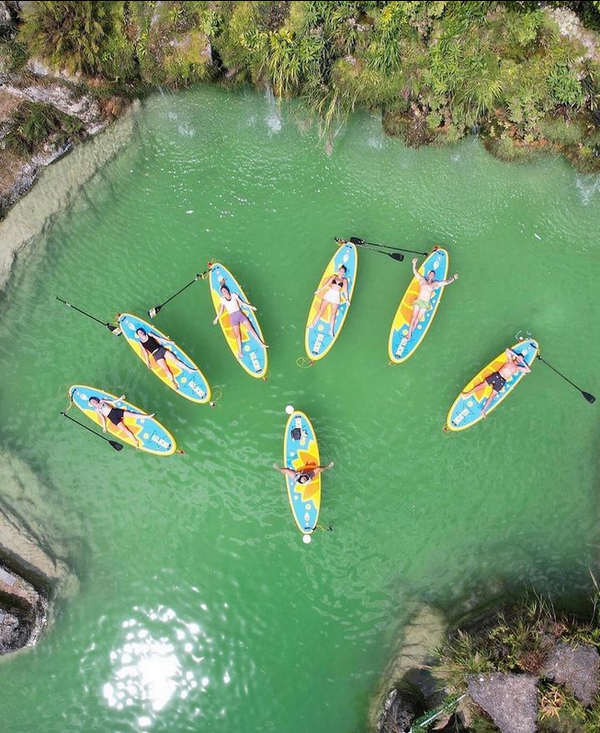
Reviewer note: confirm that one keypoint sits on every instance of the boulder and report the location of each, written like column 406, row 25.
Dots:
column 509, row 699
column 398, row 713
column 576, row 668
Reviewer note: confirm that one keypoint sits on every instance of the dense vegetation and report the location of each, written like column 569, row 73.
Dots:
column 436, row 70
column 518, row 639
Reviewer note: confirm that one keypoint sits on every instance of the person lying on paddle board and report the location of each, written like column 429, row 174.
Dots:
column 106, row 410
column 515, row 363
column 233, row 304
column 153, row 345
column 334, row 287
column 421, row 304
column 304, row 475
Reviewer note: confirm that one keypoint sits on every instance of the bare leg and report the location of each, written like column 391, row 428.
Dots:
column 322, row 306
column 238, row 339
column 319, row 469
column 334, row 310
column 475, row 388
column 172, row 359
column 169, row 374
column 488, row 402
column 251, row 330
column 417, row 314
column 124, row 429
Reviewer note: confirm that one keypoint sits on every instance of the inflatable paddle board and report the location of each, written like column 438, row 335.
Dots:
column 254, row 356
column 300, row 450
column 399, row 349
column 466, row 411
column 154, row 437
column 318, row 340
column 191, row 383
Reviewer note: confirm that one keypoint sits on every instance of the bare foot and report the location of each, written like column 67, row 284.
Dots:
column 331, row 464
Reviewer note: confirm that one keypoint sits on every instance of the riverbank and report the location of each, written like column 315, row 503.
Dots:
column 526, row 79
column 517, row 667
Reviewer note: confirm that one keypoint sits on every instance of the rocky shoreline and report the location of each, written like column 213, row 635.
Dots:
column 518, row 667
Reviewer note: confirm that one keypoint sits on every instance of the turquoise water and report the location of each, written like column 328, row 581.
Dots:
column 200, row 609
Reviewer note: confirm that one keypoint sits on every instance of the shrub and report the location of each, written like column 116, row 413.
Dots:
column 34, row 124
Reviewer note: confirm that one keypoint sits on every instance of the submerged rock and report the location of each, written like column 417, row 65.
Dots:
column 576, row 668
column 23, row 611
column 398, row 713
column 509, row 699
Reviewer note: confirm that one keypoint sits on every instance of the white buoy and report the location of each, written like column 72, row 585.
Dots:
column 306, row 538
column 289, row 409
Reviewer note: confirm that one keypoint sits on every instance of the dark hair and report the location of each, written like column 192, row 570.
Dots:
column 224, row 287
column 303, row 478
column 143, row 330
column 343, row 267
column 93, row 397
column 430, row 271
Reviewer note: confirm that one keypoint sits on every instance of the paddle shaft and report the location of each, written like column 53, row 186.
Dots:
column 89, row 315
column 157, row 308
column 113, row 443
column 357, row 240
column 394, row 255
column 589, row 397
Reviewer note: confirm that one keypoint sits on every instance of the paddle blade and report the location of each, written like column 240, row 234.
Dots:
column 115, row 445
column 154, row 311
column 356, row 240
column 396, row 256
column 589, row 397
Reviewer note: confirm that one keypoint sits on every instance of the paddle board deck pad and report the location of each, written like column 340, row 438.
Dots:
column 399, row 348
column 318, row 340
column 301, row 451
column 191, row 383
column 254, row 356
column 467, row 411
column 154, row 437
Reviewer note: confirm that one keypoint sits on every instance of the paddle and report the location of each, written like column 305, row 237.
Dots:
column 361, row 243
column 589, row 397
column 157, row 308
column 110, row 326
column 112, row 443
column 394, row 255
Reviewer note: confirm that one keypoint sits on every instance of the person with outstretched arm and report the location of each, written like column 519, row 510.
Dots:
column 107, row 410
column 422, row 303
column 515, row 363
column 304, row 475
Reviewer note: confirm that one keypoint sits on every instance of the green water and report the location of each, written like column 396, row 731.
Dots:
column 200, row 609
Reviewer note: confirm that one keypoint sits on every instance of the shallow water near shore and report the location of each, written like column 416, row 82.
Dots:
column 200, row 609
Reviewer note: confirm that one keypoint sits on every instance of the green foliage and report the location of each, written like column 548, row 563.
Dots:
column 34, row 124
column 436, row 70
column 13, row 56
column 80, row 36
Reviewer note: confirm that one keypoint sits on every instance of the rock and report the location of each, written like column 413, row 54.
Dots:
column 398, row 713
column 509, row 699
column 63, row 97
column 23, row 612
column 576, row 668
column 570, row 25
column 410, row 662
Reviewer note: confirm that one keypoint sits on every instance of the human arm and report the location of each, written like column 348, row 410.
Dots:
column 285, row 471
column 319, row 469
column 443, row 283
column 241, row 302
column 219, row 314
column 345, row 290
column 419, row 277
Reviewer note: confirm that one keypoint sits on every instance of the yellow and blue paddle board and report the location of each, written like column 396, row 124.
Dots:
column 467, row 411
column 399, row 349
column 318, row 340
column 191, row 383
column 153, row 436
column 254, row 356
column 301, row 451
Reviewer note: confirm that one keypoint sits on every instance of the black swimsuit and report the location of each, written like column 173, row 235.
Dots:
column 340, row 284
column 116, row 415
column 153, row 347
column 496, row 381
